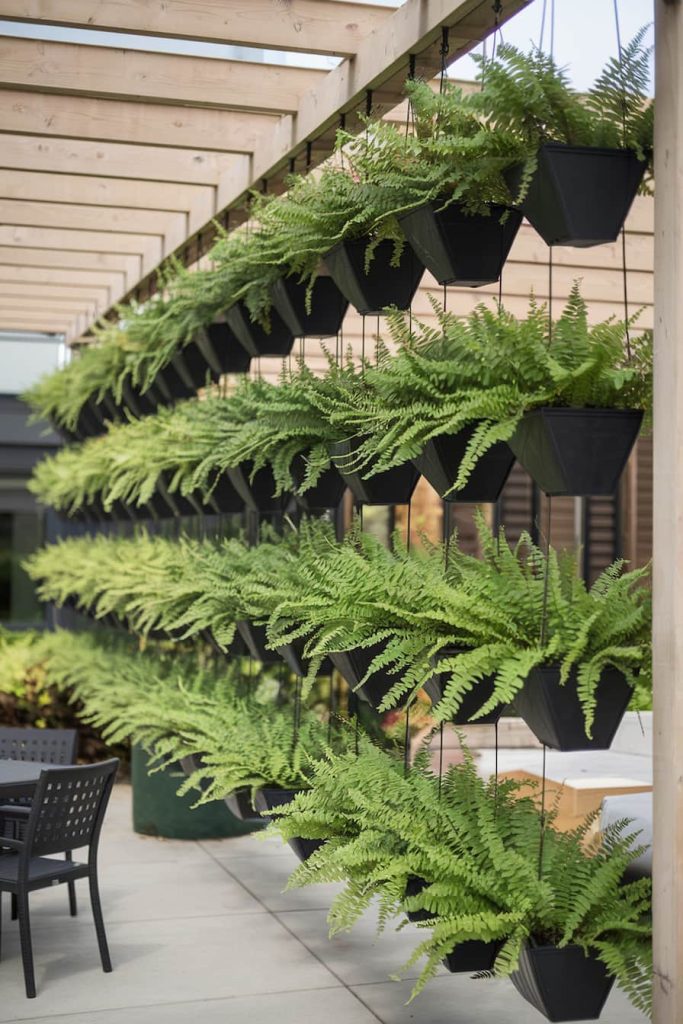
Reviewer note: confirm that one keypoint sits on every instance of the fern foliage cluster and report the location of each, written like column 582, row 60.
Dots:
column 430, row 611
column 458, row 146
column 493, row 867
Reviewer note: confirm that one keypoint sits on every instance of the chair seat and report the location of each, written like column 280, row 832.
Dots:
column 43, row 871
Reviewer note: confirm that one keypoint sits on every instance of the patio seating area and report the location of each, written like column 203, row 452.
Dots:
column 203, row 930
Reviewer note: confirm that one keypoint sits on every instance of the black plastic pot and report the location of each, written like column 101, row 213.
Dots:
column 554, row 714
column 140, row 405
column 473, row 700
column 224, row 498
column 414, row 887
column 255, row 640
column 580, row 195
column 562, row 984
column 272, row 796
column 171, row 385
column 576, row 452
column 240, row 805
column 472, row 956
column 254, row 338
column 326, row 494
column 328, row 307
column 192, row 367
column 383, row 285
column 293, row 656
column 178, row 503
column 440, row 462
column 354, row 664
column 257, row 494
column 392, row 487
column 460, row 248
column 221, row 349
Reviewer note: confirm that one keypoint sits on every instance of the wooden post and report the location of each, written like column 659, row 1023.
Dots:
column 668, row 517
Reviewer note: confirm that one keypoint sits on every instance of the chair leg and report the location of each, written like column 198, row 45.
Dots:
column 14, row 913
column 26, row 948
column 99, row 922
column 71, row 886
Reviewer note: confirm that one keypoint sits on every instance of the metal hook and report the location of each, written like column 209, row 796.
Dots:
column 368, row 102
column 411, row 66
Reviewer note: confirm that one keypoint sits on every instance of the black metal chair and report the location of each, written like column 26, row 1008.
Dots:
column 53, row 746
column 66, row 814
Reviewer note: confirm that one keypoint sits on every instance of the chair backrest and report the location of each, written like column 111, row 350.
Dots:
column 54, row 746
column 68, row 808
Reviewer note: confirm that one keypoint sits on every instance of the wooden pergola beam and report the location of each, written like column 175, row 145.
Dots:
column 144, row 246
column 96, row 293
column 146, row 124
column 113, row 160
column 61, row 275
column 41, row 323
column 73, row 216
column 112, row 73
column 88, row 190
column 73, row 307
column 71, row 259
column 315, row 26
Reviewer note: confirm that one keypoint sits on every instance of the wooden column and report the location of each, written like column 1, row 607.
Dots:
column 668, row 517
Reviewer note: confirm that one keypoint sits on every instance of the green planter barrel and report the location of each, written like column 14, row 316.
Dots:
column 159, row 811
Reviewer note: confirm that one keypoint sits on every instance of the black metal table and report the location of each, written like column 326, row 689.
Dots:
column 19, row 778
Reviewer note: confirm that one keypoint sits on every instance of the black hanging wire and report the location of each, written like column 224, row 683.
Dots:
column 497, row 8
column 623, row 227
column 297, row 715
column 443, row 53
column 541, row 839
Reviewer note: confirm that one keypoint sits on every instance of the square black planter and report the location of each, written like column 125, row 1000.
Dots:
column 240, row 805
column 383, row 285
column 460, row 248
column 224, row 498
column 221, row 349
column 472, row 956
column 472, row 701
column 136, row 402
column 555, row 716
column 254, row 338
column 271, row 796
column 562, row 984
column 440, row 462
column 392, row 487
column 255, row 639
column 171, row 385
column 328, row 307
column 353, row 666
column 293, row 656
column 178, row 503
column 580, row 195
column 326, row 494
column 191, row 365
column 414, row 887
column 258, row 493
column 576, row 452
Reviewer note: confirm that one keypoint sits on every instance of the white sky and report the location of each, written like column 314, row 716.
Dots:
column 583, row 39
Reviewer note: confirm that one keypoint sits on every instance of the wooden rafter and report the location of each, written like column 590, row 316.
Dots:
column 70, row 259
column 314, row 26
column 110, row 73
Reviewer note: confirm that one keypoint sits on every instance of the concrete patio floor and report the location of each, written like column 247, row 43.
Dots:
column 203, row 931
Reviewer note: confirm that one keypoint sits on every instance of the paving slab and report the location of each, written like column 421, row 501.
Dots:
column 266, row 878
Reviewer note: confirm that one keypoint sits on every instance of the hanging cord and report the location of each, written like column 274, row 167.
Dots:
column 342, row 128
column 541, row 840
column 443, row 53
column 495, row 785
column 406, row 744
column 497, row 8
column 332, row 710
column 542, row 32
column 623, row 142
column 440, row 756
column 377, row 343
column 297, row 715
column 546, row 575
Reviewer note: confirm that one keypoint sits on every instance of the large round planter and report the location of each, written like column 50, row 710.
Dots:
column 562, row 984
column 392, row 487
column 328, row 307
column 326, row 494
column 221, row 349
column 254, row 338
column 440, row 462
column 272, row 796
column 257, row 493
column 255, row 638
column 459, row 248
column 555, row 716
column 580, row 195
column 159, row 811
column 383, row 285
column 576, row 452
column 353, row 666
column 472, row 701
